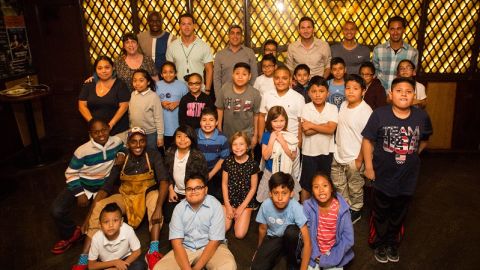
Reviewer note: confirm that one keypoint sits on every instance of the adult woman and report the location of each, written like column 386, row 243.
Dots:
column 132, row 59
column 106, row 98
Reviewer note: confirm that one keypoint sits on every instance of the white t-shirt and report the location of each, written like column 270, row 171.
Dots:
column 319, row 144
column 349, row 131
column 291, row 101
column 105, row 250
column 179, row 167
column 264, row 84
column 420, row 91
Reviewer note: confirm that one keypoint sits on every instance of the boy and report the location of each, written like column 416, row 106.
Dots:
column 392, row 140
column 264, row 83
column 116, row 245
column 286, row 97
column 375, row 95
column 192, row 103
column 281, row 222
column 238, row 104
column 214, row 146
column 319, row 121
column 197, row 232
column 352, row 118
column 336, row 85
column 86, row 175
column 301, row 75
column 406, row 69
column 143, row 190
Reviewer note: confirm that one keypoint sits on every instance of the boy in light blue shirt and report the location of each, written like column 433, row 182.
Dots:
column 336, row 85
column 197, row 231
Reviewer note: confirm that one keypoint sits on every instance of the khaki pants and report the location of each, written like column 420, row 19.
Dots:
column 94, row 222
column 222, row 260
column 349, row 182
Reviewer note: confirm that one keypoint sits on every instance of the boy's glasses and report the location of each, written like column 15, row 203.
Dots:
column 194, row 83
column 98, row 132
column 195, row 189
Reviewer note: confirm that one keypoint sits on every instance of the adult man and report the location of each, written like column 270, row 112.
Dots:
column 309, row 50
column 386, row 56
column 269, row 47
column 154, row 42
column 190, row 54
column 349, row 50
column 228, row 57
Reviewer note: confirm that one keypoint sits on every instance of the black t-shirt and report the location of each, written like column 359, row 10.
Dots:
column 396, row 141
column 190, row 108
column 105, row 107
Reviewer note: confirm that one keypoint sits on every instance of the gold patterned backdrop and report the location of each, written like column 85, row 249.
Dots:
column 447, row 38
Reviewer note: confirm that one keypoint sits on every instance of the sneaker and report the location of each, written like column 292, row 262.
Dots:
column 355, row 215
column 392, row 254
column 62, row 245
column 80, row 267
column 381, row 255
column 152, row 258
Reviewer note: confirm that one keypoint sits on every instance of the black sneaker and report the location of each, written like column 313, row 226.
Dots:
column 392, row 254
column 355, row 215
column 381, row 255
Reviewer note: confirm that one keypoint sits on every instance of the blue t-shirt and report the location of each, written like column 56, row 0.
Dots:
column 171, row 92
column 278, row 220
column 265, row 139
column 336, row 93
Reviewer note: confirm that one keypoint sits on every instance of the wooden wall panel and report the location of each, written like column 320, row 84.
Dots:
column 441, row 108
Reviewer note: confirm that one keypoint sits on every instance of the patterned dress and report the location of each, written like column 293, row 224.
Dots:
column 239, row 176
column 125, row 73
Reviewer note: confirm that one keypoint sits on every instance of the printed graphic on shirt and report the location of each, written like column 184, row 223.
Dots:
column 238, row 105
column 167, row 95
column 194, row 109
column 336, row 98
column 402, row 141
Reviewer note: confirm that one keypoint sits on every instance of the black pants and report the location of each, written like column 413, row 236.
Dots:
column 168, row 207
column 273, row 247
column 61, row 213
column 388, row 216
column 215, row 186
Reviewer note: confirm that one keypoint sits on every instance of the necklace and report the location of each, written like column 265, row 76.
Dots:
column 104, row 88
column 187, row 55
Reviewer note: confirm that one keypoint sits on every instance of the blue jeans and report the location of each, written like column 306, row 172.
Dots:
column 61, row 210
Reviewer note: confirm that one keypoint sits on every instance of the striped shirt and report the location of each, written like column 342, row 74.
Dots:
column 214, row 148
column 90, row 165
column 327, row 227
column 385, row 60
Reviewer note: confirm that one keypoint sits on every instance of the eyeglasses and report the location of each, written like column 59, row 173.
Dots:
column 194, row 83
column 195, row 189
column 98, row 132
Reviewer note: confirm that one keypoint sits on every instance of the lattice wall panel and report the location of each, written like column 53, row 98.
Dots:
column 214, row 18
column 450, row 36
column 170, row 10
column 106, row 22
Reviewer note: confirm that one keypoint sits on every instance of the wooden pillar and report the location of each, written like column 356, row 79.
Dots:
column 441, row 108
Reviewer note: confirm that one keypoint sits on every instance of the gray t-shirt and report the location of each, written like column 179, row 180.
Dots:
column 238, row 109
column 353, row 58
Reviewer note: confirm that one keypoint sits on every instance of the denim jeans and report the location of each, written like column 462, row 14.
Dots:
column 61, row 210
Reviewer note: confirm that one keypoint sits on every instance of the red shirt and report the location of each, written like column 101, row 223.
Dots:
column 327, row 227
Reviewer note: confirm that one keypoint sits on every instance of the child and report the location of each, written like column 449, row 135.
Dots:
column 197, row 232
column 348, row 158
column 145, row 108
column 301, row 75
column 214, row 146
column 375, row 95
column 171, row 92
column 319, row 121
column 279, row 150
column 336, row 86
column 238, row 104
column 329, row 225
column 182, row 160
column 86, row 174
column 392, row 140
column 116, row 245
column 288, row 98
column 281, row 222
column 406, row 69
column 239, row 184
column 192, row 104
column 264, row 82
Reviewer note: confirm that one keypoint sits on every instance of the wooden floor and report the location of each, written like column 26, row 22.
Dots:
column 442, row 228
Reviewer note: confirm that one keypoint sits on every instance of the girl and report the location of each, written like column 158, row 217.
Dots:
column 239, row 184
column 170, row 90
column 279, row 150
column 182, row 160
column 192, row 104
column 406, row 69
column 329, row 224
column 145, row 108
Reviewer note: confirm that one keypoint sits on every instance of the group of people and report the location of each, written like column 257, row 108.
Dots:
column 280, row 139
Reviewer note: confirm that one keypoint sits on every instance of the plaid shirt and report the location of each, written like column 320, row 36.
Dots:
column 386, row 60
